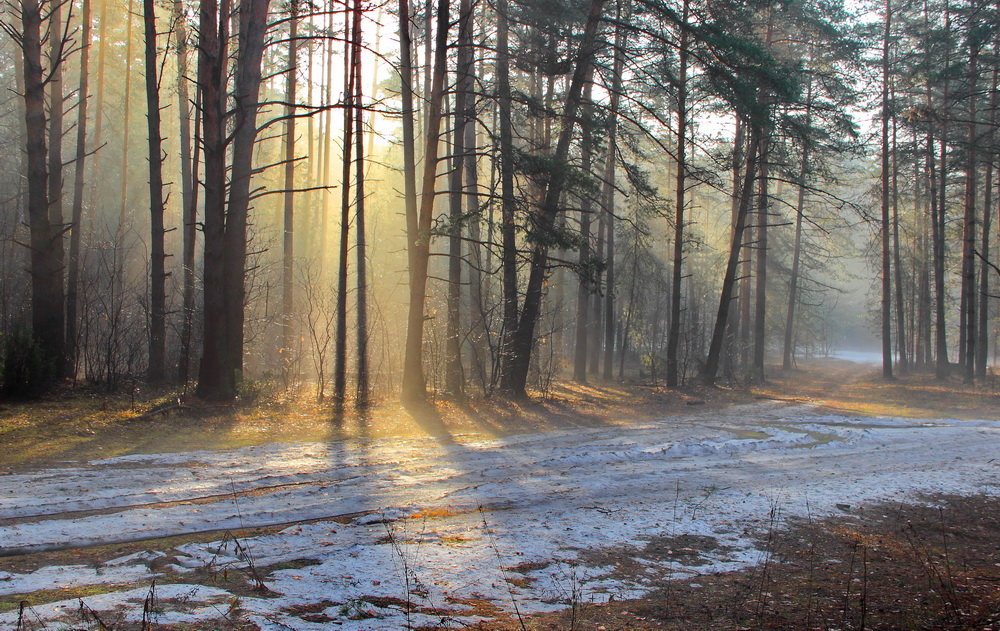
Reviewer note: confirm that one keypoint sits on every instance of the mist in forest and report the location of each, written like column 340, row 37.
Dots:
column 372, row 200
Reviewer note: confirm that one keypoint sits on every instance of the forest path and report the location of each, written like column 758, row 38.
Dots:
column 458, row 527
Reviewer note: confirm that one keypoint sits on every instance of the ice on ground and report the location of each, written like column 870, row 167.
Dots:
column 440, row 532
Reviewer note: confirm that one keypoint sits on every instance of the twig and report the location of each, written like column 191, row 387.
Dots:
column 503, row 572
column 147, row 607
column 406, row 569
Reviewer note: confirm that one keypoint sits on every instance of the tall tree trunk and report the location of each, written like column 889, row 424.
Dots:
column 189, row 192
column 360, row 250
column 428, row 61
column 340, row 342
column 711, row 368
column 674, row 335
column 73, row 280
column 126, row 136
column 409, row 157
column 215, row 380
column 885, row 193
column 104, row 35
column 982, row 349
column 246, row 95
column 584, row 289
column 757, row 374
column 508, row 235
column 746, row 276
column 454, row 374
column 480, row 341
column 788, row 349
column 924, row 344
column 157, row 261
column 941, row 333
column 897, row 263
column 518, row 356
column 326, row 142
column 288, row 214
column 608, row 197
column 414, row 386
column 937, row 256
column 57, row 57
column 968, row 313
column 47, row 299
column 733, row 341
column 596, row 331
column 313, row 197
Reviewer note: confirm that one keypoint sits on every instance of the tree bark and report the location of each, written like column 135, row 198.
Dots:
column 518, row 355
column 733, row 341
column 585, row 291
column 897, row 263
column 73, row 280
column 508, row 234
column 340, row 342
column 886, row 235
column 157, row 261
column 674, row 335
column 57, row 57
column 757, row 374
column 288, row 210
column 968, row 314
column 788, row 350
column 608, row 198
column 454, row 373
column 47, row 319
column 414, row 386
column 126, row 128
column 711, row 369
column 360, row 250
column 215, row 379
column 246, row 94
column 409, row 151
column 982, row 349
column 942, row 367
column 480, row 342
column 189, row 192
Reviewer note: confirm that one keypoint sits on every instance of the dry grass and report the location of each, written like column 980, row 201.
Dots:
column 77, row 425
column 73, row 426
column 849, row 388
column 885, row 566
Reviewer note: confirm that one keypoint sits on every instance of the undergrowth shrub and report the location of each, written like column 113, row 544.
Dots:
column 25, row 371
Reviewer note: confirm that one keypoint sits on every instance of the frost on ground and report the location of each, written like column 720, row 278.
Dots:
column 442, row 532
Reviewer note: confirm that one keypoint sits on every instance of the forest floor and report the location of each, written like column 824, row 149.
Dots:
column 829, row 498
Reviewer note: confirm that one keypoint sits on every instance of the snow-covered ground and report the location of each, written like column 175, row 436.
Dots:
column 519, row 522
